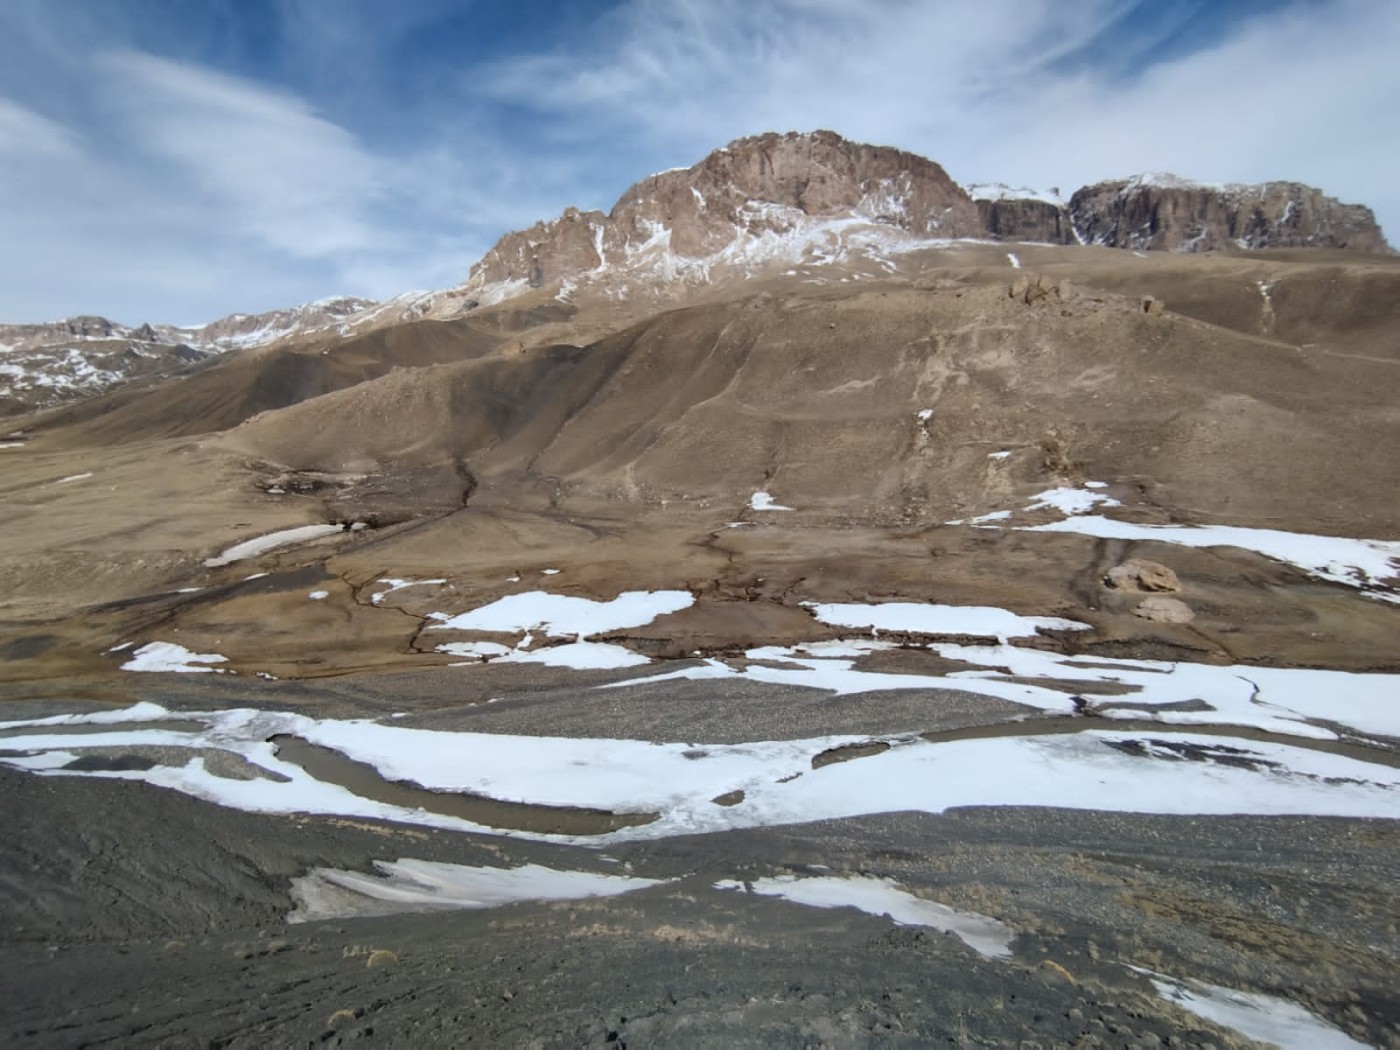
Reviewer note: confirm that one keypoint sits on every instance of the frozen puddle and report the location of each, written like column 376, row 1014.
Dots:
column 986, row 936
column 272, row 541
column 1263, row 1017
column 425, row 885
column 598, row 790
column 1363, row 564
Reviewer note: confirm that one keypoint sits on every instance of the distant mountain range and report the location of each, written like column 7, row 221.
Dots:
column 764, row 204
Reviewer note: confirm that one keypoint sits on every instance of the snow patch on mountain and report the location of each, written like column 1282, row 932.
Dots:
column 1000, row 191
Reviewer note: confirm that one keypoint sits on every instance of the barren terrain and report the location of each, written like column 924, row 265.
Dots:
column 858, row 595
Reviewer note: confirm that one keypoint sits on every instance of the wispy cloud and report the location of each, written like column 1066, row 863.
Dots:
column 25, row 135
column 266, row 164
column 1031, row 90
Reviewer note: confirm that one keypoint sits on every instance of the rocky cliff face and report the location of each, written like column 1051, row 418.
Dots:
column 769, row 196
column 1026, row 220
column 1166, row 213
column 1010, row 213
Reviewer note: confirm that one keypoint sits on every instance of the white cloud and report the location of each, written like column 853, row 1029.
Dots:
column 268, row 166
column 1293, row 96
column 991, row 89
column 26, row 134
column 188, row 194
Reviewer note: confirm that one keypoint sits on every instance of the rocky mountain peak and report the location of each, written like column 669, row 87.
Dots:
column 766, row 195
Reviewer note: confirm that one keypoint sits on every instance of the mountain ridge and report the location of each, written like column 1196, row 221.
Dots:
column 813, row 197
column 758, row 205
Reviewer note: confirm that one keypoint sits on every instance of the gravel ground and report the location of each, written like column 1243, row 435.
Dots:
column 136, row 916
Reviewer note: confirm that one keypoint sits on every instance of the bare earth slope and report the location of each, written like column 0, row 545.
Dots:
column 1045, row 595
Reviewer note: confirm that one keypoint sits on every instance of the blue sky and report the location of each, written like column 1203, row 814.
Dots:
column 178, row 160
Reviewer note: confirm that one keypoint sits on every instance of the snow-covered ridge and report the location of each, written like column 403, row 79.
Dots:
column 1000, row 191
column 47, row 364
column 1165, row 180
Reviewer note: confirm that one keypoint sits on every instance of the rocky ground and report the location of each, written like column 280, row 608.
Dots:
column 136, row 916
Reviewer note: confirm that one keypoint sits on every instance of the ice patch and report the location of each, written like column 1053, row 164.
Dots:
column 319, row 596
column 582, row 656
column 1014, row 259
column 983, row 519
column 425, row 885
column 1266, row 1018
column 398, row 585
column 1364, row 564
column 764, row 501
column 73, row 477
column 999, row 455
column 1091, row 770
column 1360, row 563
column 166, row 656
column 476, row 650
column 986, row 936
column 561, row 615
column 1277, row 700
column 1071, row 501
column 916, row 618
column 273, row 540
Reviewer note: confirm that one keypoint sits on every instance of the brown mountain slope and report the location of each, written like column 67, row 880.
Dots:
column 229, row 390
column 622, row 463
column 815, row 396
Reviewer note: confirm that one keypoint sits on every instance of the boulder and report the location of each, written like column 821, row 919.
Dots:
column 1139, row 574
column 1164, row 610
